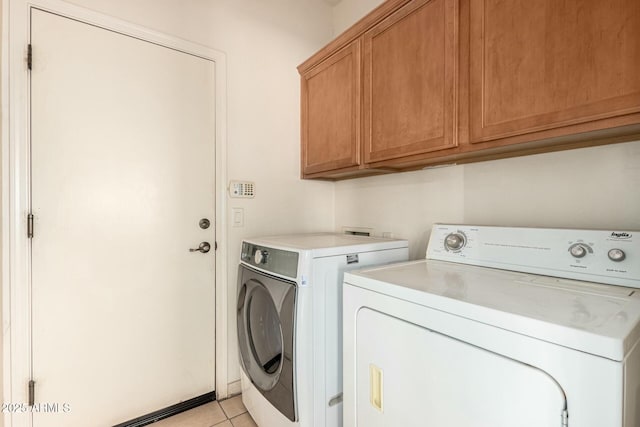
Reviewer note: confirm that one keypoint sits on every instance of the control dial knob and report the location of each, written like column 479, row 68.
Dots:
column 454, row 241
column 578, row 250
column 616, row 255
column 260, row 257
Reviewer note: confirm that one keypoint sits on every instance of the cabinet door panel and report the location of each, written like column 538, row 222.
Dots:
column 410, row 71
column 545, row 64
column 331, row 112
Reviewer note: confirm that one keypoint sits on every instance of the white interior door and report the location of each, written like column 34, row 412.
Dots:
column 412, row 377
column 122, row 148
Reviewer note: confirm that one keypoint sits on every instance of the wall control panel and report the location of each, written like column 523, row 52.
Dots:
column 604, row 256
column 242, row 189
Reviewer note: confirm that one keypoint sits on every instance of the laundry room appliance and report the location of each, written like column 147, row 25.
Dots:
column 289, row 318
column 497, row 327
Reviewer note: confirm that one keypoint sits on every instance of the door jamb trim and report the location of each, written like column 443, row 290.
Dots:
column 16, row 316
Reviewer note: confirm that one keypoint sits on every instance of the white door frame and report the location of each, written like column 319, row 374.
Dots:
column 16, row 278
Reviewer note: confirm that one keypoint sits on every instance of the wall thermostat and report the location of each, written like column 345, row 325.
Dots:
column 243, row 189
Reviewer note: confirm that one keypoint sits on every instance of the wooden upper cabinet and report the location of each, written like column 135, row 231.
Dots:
column 410, row 76
column 331, row 102
column 425, row 82
column 552, row 67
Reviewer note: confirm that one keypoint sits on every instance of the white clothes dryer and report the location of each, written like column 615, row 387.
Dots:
column 498, row 327
column 289, row 316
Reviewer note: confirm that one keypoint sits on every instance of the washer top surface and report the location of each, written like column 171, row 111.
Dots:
column 594, row 318
column 327, row 244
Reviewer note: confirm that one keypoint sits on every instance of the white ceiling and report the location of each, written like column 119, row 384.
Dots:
column 332, row 2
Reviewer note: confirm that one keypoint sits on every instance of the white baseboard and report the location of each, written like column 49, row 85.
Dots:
column 234, row 388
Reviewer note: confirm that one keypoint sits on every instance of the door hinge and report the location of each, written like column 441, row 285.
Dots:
column 30, row 226
column 29, row 57
column 215, row 247
column 32, row 392
column 565, row 418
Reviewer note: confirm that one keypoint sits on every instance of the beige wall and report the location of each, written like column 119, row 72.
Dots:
column 347, row 12
column 586, row 188
column 264, row 41
column 404, row 204
column 590, row 188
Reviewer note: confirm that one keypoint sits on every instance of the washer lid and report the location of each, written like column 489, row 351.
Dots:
column 599, row 319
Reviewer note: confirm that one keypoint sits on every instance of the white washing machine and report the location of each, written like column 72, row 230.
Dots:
column 290, row 322
column 498, row 327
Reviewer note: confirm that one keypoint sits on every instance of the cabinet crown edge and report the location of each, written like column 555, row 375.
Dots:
column 350, row 34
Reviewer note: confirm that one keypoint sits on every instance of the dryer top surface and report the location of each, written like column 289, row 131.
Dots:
column 599, row 319
column 328, row 244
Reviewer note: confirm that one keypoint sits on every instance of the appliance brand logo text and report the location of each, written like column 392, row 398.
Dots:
column 620, row 235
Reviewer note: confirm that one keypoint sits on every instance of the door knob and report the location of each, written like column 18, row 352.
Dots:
column 203, row 247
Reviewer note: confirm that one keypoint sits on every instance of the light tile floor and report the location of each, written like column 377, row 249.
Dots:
column 227, row 413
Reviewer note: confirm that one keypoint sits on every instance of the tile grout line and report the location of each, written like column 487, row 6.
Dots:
column 240, row 417
column 224, row 411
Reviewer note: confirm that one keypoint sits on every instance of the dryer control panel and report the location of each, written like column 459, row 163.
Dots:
column 270, row 259
column 603, row 256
